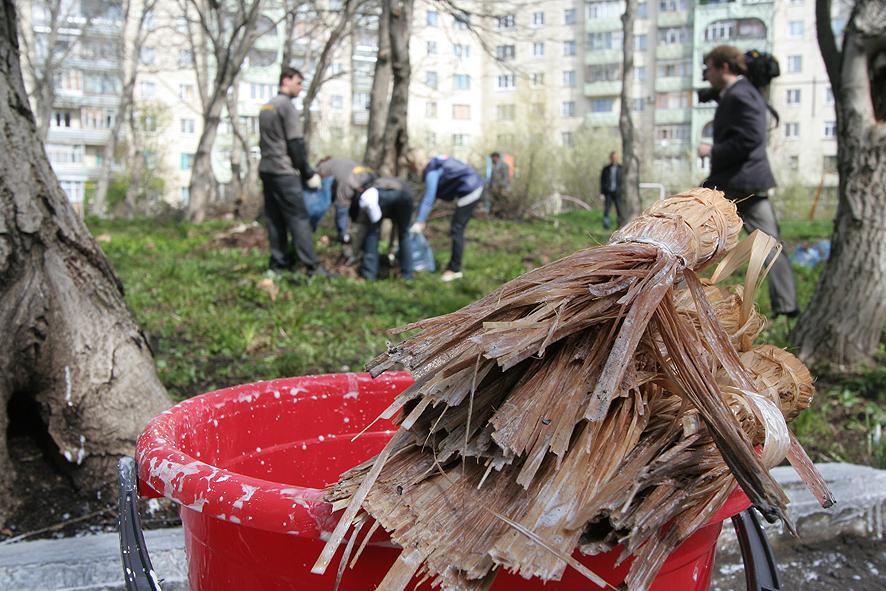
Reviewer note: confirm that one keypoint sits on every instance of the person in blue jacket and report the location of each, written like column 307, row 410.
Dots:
column 447, row 179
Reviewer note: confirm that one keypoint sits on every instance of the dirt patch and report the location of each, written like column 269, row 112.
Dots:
column 54, row 508
column 845, row 563
column 243, row 236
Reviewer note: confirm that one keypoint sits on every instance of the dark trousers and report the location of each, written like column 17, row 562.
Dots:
column 287, row 216
column 758, row 213
column 609, row 199
column 396, row 206
column 460, row 220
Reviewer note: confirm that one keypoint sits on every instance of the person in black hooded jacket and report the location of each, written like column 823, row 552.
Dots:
column 739, row 165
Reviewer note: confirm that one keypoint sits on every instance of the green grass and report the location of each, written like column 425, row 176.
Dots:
column 211, row 324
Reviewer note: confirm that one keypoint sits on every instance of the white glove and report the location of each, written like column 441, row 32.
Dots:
column 417, row 228
column 314, row 181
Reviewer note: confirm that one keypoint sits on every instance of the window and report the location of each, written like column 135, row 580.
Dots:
column 65, row 154
column 337, row 102
column 188, row 125
column 673, row 100
column 606, row 40
column 640, row 42
column 793, row 96
column 431, row 48
column 604, row 105
column 569, row 16
column 569, row 78
column 639, row 73
column 186, row 161
column 604, row 72
column 184, row 195
column 431, row 110
column 430, row 139
column 538, row 79
column 673, row 5
column 538, row 19
column 336, row 68
column 505, row 52
column 69, row 81
column 147, row 56
column 567, row 109
column 262, row 91
column 829, row 164
column 60, row 119
column 642, row 11
column 796, row 29
column 186, row 92
column 507, row 81
column 830, row 129
column 795, row 64
column 538, row 49
column 730, row 29
column 638, row 104
column 461, row 82
column 566, row 139
column 93, row 118
column 181, row 24
column 792, row 130
column 147, row 89
column 674, row 69
column 672, row 134
column 508, row 21
column 461, row 21
column 185, row 58
column 605, row 9
column 503, row 139
column 431, row 79
column 568, row 48
column 461, row 50
column 829, row 96
column 460, row 139
column 361, row 101
column 462, row 112
column 101, row 83
column 673, row 36
column 505, row 112
column 75, row 190
column 432, row 18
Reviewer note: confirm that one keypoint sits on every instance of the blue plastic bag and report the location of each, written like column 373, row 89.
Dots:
column 422, row 256
column 318, row 201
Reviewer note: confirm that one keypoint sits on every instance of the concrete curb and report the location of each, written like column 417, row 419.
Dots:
column 92, row 563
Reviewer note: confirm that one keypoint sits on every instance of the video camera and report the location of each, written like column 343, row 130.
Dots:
column 762, row 67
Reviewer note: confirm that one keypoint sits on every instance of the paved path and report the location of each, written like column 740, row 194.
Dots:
column 849, row 533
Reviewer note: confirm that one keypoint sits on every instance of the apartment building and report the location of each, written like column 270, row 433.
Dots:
column 478, row 83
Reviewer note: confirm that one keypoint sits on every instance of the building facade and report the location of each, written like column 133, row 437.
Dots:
column 478, row 83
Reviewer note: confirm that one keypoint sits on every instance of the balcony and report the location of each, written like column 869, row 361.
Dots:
column 73, row 101
column 606, row 88
column 672, row 84
column 601, row 25
column 603, row 56
column 67, row 135
column 360, row 117
column 672, row 116
column 674, row 19
column 609, row 119
column 673, row 51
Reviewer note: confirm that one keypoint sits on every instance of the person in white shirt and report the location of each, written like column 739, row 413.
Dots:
column 386, row 197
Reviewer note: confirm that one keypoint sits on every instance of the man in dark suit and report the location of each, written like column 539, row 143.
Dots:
column 739, row 166
column 610, row 189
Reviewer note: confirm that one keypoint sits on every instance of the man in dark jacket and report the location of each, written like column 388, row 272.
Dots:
column 349, row 177
column 384, row 197
column 447, row 179
column 283, row 168
column 610, row 189
column 739, row 166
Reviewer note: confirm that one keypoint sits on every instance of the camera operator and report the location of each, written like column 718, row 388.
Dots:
column 739, row 166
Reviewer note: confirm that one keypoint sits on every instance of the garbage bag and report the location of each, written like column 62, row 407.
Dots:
column 422, row 255
column 318, row 201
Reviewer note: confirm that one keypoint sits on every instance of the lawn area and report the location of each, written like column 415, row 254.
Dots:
column 213, row 322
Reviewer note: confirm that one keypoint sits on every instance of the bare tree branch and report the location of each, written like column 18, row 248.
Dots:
column 827, row 43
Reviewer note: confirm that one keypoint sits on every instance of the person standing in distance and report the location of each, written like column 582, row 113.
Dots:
column 610, row 189
column 283, row 168
column 739, row 166
column 450, row 180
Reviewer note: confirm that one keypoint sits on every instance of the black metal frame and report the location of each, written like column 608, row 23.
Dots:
column 760, row 569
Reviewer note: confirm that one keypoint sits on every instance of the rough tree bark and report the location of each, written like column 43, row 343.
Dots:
column 844, row 321
column 381, row 91
column 71, row 348
column 396, row 136
column 630, row 180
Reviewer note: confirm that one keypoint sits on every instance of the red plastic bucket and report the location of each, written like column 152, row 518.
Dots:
column 247, row 466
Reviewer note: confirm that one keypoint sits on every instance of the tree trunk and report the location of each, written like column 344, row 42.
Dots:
column 381, row 92
column 71, row 350
column 844, row 320
column 202, row 187
column 396, row 137
column 630, row 179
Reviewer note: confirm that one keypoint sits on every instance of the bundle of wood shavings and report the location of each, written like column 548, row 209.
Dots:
column 611, row 397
